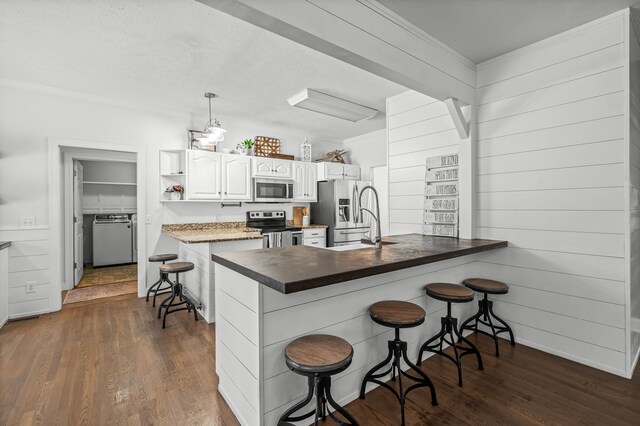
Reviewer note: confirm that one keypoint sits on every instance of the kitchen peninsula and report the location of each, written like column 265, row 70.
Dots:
column 265, row 301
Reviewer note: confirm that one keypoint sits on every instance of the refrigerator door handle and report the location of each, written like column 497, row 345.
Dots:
column 355, row 204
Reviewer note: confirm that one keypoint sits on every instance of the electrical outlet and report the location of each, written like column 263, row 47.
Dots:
column 30, row 287
column 147, row 219
column 27, row 221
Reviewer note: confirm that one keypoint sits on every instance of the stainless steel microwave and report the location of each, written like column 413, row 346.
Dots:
column 272, row 190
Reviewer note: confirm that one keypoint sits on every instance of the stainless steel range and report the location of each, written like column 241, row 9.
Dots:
column 273, row 226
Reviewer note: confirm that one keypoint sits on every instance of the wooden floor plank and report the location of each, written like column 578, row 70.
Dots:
column 110, row 362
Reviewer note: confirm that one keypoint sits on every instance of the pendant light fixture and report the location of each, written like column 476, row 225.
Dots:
column 213, row 132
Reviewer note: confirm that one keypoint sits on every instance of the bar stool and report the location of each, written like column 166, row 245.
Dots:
column 318, row 356
column 164, row 278
column 485, row 310
column 450, row 293
column 397, row 314
column 176, row 291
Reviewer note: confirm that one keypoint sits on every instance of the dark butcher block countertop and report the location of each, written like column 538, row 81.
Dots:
column 298, row 268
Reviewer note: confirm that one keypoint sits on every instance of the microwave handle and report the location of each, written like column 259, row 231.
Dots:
column 289, row 190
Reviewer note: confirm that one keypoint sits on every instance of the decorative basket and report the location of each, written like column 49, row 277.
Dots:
column 265, row 146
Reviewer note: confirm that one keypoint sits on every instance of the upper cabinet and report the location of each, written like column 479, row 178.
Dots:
column 305, row 186
column 338, row 171
column 236, row 177
column 204, row 175
column 217, row 177
column 268, row 167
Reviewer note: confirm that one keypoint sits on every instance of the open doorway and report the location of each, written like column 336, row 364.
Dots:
column 104, row 228
column 99, row 189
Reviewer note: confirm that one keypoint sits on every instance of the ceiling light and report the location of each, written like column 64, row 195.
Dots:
column 213, row 132
column 313, row 100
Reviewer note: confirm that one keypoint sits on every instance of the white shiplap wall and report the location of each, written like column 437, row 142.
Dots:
column 418, row 127
column 634, row 183
column 28, row 262
column 550, row 176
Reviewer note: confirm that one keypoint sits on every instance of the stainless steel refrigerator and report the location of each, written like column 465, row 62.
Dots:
column 338, row 207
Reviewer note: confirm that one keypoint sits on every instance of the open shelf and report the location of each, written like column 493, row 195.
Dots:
column 109, row 183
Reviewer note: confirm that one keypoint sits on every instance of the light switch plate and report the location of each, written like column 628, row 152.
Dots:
column 147, row 219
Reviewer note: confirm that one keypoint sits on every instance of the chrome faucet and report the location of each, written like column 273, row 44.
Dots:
column 377, row 240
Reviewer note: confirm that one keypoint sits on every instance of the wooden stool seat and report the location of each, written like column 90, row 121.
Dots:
column 453, row 293
column 483, row 285
column 172, row 268
column 162, row 257
column 397, row 313
column 318, row 353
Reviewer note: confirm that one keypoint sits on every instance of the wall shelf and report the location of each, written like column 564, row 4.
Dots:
column 109, row 183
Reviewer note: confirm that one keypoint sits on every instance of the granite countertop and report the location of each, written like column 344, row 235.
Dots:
column 5, row 244
column 321, row 267
column 214, row 232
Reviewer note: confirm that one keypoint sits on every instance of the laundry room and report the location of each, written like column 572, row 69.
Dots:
column 106, row 195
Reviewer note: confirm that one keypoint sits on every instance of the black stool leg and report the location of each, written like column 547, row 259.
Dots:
column 326, row 388
column 450, row 328
column 165, row 278
column 484, row 316
column 152, row 288
column 439, row 337
column 505, row 326
column 286, row 417
column 397, row 352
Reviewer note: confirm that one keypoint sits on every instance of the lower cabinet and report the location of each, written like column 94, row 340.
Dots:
column 314, row 237
column 200, row 282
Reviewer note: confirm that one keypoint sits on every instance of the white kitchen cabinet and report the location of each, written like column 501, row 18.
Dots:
column 268, row 167
column 4, row 285
column 314, row 237
column 236, row 177
column 338, row 171
column 204, row 175
column 200, row 281
column 305, row 187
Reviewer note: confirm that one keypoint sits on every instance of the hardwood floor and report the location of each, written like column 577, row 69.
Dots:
column 109, row 362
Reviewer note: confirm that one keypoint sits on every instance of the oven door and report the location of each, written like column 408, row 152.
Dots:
column 272, row 191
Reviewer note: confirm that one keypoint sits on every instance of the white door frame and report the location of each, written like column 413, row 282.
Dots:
column 68, row 155
column 59, row 250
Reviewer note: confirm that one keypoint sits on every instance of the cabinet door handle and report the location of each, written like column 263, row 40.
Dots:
column 225, row 192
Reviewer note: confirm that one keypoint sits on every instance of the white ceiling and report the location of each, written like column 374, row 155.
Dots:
column 167, row 53
column 483, row 29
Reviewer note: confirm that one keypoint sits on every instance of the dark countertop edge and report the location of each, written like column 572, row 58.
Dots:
column 5, row 244
column 308, row 284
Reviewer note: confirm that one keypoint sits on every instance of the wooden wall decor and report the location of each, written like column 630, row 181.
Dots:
column 266, row 146
column 441, row 196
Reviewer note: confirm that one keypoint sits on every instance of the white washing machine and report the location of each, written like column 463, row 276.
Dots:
column 111, row 239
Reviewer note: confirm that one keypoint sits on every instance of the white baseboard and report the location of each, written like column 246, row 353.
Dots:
column 4, row 322
column 574, row 358
column 30, row 314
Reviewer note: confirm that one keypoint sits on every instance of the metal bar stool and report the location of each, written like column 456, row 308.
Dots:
column 164, row 278
column 318, row 356
column 398, row 314
column 485, row 312
column 169, row 304
column 450, row 293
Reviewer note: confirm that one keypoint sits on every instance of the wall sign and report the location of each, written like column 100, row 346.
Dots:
column 441, row 196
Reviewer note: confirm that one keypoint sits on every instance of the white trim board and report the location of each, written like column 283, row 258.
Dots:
column 56, row 211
